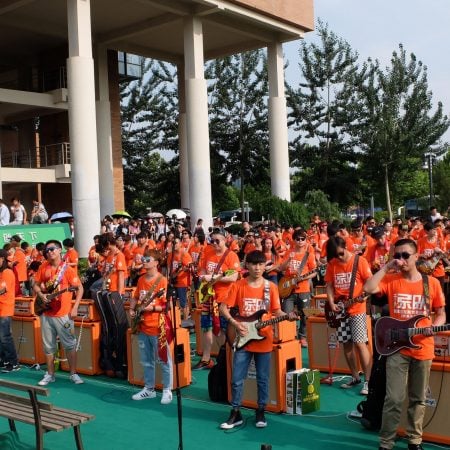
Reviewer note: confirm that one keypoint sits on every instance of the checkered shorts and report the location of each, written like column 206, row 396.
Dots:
column 353, row 328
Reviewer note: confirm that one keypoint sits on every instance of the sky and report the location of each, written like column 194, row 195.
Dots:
column 376, row 28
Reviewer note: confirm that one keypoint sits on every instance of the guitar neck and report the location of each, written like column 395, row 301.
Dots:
column 273, row 321
column 436, row 329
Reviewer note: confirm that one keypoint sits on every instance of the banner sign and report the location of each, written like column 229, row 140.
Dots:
column 35, row 233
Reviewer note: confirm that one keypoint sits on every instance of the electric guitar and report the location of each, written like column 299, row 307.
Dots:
column 334, row 319
column 287, row 284
column 254, row 324
column 137, row 319
column 206, row 288
column 40, row 306
column 391, row 335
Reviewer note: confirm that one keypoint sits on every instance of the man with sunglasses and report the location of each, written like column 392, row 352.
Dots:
column 298, row 261
column 409, row 369
column 352, row 332
column 55, row 275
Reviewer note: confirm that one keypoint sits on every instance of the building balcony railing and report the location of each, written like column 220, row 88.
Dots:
column 44, row 156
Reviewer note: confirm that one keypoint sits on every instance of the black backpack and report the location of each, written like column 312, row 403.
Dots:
column 372, row 408
column 217, row 378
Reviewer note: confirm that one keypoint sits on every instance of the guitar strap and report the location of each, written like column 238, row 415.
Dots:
column 221, row 261
column 353, row 277
column 303, row 263
column 266, row 295
column 426, row 293
column 152, row 289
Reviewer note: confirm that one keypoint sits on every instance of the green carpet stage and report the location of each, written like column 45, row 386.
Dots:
column 121, row 423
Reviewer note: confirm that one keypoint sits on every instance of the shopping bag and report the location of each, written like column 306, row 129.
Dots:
column 302, row 391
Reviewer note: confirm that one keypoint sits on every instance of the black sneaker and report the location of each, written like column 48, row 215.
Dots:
column 415, row 447
column 261, row 421
column 352, row 383
column 234, row 420
column 10, row 368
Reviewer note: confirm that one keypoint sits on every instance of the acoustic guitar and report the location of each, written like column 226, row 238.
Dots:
column 391, row 335
column 334, row 319
column 40, row 306
column 287, row 284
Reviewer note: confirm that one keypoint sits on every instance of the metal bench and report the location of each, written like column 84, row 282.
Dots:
column 44, row 416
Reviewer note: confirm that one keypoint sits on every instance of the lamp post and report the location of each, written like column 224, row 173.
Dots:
column 429, row 158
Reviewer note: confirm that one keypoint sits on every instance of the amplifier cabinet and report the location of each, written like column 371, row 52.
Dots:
column 318, row 302
column 436, row 422
column 442, row 346
column 136, row 372
column 88, row 354
column 24, row 306
column 87, row 311
column 196, row 315
column 26, row 333
column 284, row 331
column 324, row 351
column 285, row 358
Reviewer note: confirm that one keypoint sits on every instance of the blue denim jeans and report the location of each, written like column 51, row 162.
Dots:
column 148, row 350
column 7, row 347
column 241, row 362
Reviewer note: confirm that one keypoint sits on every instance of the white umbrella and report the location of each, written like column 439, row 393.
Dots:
column 61, row 216
column 154, row 215
column 178, row 213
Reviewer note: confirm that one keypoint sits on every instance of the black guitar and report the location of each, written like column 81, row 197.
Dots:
column 40, row 306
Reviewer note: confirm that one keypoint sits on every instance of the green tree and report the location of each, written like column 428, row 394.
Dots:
column 321, row 151
column 395, row 124
column 317, row 202
column 441, row 179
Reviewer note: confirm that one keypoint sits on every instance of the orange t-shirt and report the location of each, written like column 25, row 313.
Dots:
column 339, row 273
column 294, row 264
column 21, row 266
column 61, row 305
column 425, row 247
column 174, row 261
column 406, row 300
column 8, row 299
column 209, row 264
column 118, row 263
column 71, row 257
column 150, row 320
column 249, row 300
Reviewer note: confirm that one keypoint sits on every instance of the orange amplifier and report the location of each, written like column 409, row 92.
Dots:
column 442, row 346
column 320, row 290
column 88, row 354
column 284, row 331
column 285, row 358
column 87, row 311
column 136, row 372
column 26, row 332
column 324, row 351
column 24, row 306
column 196, row 314
column 318, row 302
column 435, row 422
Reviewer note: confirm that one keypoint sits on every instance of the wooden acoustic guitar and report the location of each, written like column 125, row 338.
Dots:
column 287, row 284
column 334, row 319
column 40, row 306
column 391, row 335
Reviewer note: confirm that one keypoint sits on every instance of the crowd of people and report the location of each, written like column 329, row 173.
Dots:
column 269, row 267
column 16, row 214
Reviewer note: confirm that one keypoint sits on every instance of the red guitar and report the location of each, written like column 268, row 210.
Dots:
column 391, row 335
column 334, row 319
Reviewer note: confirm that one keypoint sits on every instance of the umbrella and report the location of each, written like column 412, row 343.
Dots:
column 178, row 213
column 121, row 213
column 154, row 215
column 61, row 216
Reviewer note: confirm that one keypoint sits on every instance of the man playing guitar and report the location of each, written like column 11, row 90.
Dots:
column 409, row 369
column 250, row 295
column 55, row 275
column 352, row 332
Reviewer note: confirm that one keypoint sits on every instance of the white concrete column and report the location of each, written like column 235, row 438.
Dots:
column 82, row 125
column 104, row 137
column 197, row 123
column 182, row 139
column 278, row 129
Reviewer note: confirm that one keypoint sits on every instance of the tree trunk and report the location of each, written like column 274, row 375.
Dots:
column 388, row 195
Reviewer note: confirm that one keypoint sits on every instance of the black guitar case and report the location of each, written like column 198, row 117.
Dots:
column 113, row 349
column 217, row 378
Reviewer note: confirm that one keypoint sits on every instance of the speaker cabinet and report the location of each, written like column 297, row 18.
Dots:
column 284, row 331
column 324, row 351
column 136, row 372
column 435, row 424
column 24, row 306
column 196, row 315
column 87, row 311
column 442, row 347
column 285, row 357
column 26, row 333
column 88, row 354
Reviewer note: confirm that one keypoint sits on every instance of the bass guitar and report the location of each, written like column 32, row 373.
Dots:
column 40, row 306
column 137, row 319
column 254, row 324
column 334, row 319
column 287, row 284
column 391, row 335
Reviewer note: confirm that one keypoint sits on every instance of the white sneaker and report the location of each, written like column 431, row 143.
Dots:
column 47, row 379
column 75, row 378
column 166, row 397
column 365, row 389
column 145, row 393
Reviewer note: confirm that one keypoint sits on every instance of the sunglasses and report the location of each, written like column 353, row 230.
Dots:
column 147, row 259
column 51, row 249
column 216, row 241
column 300, row 239
column 402, row 255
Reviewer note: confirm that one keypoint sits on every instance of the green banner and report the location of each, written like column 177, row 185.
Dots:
column 35, row 233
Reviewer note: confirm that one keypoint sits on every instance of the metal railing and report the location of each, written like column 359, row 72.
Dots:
column 32, row 158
